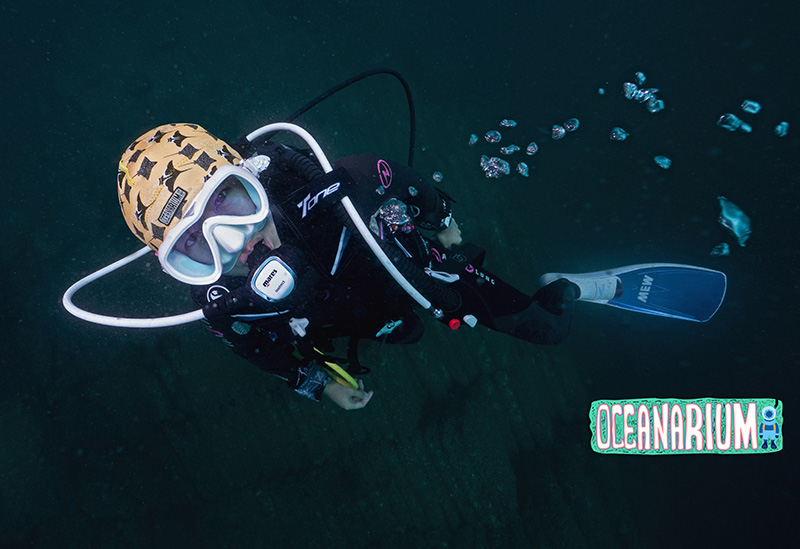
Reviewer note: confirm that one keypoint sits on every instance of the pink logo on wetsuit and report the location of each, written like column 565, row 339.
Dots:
column 384, row 173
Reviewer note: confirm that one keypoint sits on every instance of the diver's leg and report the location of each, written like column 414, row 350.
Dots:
column 547, row 317
column 543, row 318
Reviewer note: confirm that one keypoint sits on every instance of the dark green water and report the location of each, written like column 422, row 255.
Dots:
column 131, row 439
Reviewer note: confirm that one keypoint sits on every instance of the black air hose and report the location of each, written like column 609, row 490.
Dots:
column 299, row 163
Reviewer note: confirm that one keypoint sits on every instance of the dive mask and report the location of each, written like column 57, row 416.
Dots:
column 223, row 217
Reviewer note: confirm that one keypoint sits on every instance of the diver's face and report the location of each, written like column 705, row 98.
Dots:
column 230, row 198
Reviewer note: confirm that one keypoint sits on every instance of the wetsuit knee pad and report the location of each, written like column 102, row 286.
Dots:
column 557, row 297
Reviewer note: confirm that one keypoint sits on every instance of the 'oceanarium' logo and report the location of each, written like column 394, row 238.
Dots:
column 697, row 426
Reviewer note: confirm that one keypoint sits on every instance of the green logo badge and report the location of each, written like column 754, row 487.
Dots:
column 674, row 426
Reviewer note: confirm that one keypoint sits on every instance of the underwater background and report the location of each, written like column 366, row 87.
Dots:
column 125, row 438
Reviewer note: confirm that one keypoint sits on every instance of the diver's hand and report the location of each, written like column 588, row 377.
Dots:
column 347, row 397
column 451, row 235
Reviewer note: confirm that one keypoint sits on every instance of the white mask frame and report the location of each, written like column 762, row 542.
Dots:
column 238, row 228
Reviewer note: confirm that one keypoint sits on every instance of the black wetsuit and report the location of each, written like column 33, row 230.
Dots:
column 344, row 292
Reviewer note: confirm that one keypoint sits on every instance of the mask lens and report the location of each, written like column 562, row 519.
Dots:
column 230, row 198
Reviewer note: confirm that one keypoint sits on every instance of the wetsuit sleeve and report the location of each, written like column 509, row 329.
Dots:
column 435, row 207
column 267, row 345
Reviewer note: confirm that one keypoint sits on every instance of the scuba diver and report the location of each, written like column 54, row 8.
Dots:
column 260, row 234
column 286, row 252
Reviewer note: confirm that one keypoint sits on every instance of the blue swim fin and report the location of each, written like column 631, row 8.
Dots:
column 663, row 289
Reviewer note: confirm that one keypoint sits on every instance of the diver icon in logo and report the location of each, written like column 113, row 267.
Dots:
column 768, row 429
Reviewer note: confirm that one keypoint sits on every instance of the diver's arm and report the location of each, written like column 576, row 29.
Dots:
column 266, row 344
column 305, row 376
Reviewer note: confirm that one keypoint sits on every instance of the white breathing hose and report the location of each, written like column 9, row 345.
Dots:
column 116, row 320
column 198, row 314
